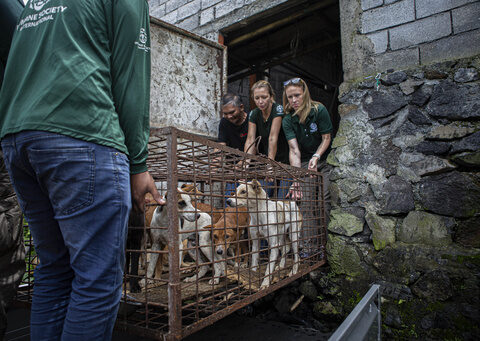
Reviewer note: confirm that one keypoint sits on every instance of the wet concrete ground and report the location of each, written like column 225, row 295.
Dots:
column 233, row 328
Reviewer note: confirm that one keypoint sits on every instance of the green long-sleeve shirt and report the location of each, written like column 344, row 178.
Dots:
column 81, row 68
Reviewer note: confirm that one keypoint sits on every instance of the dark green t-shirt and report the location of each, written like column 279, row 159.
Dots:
column 82, row 69
column 309, row 134
column 263, row 130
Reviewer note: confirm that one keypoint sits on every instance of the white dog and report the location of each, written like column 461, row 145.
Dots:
column 272, row 220
column 191, row 222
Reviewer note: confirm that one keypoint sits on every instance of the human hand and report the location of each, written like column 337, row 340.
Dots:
column 269, row 173
column 295, row 192
column 141, row 184
column 312, row 164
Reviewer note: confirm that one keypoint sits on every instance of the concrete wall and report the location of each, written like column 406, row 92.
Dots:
column 396, row 34
column 208, row 17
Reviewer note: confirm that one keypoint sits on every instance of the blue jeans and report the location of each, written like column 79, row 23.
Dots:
column 76, row 199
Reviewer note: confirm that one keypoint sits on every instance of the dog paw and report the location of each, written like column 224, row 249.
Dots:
column 265, row 285
column 190, row 279
column 214, row 281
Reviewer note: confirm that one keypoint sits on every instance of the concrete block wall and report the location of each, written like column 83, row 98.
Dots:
column 207, row 17
column 391, row 34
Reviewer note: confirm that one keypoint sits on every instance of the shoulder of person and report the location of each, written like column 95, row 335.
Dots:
column 253, row 114
column 319, row 107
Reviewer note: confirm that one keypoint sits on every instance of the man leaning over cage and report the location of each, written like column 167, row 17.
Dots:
column 74, row 128
column 232, row 129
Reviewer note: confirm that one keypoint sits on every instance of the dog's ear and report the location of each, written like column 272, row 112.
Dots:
column 208, row 227
column 257, row 187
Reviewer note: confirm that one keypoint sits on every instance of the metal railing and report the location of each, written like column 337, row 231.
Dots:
column 360, row 323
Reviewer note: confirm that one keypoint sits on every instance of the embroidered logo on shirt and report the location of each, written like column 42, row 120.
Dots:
column 280, row 110
column 313, row 127
column 37, row 5
column 142, row 40
column 42, row 15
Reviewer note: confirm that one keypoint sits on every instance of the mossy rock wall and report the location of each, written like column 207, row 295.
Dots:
column 406, row 157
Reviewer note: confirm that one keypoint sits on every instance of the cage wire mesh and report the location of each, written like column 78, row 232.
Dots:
column 226, row 237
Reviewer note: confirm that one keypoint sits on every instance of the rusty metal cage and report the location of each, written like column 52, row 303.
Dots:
column 220, row 257
column 211, row 262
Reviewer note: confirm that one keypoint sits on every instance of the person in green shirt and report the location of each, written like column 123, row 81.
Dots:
column 266, row 121
column 74, row 119
column 12, row 249
column 308, row 130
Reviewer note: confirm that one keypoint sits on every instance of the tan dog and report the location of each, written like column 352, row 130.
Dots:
column 228, row 232
column 215, row 213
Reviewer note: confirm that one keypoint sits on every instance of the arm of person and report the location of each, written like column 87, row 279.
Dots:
column 252, row 130
column 294, row 155
column 273, row 137
column 129, row 37
column 326, row 139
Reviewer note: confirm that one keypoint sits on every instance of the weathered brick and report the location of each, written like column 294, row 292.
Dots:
column 172, row 5
column 190, row 23
column 158, row 11
column 379, row 40
column 207, row 15
column 209, row 3
column 367, row 4
column 387, row 16
column 397, row 60
column 227, row 6
column 458, row 46
column 466, row 18
column 420, row 31
column 170, row 17
column 188, row 10
column 425, row 8
column 388, row 2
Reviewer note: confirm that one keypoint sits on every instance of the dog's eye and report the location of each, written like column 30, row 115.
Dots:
column 227, row 237
column 182, row 203
column 215, row 237
column 242, row 191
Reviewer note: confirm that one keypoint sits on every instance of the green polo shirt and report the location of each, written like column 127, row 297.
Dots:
column 81, row 68
column 263, row 130
column 309, row 134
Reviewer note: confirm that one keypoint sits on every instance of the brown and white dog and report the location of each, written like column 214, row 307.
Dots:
column 159, row 233
column 228, row 232
column 215, row 213
column 275, row 221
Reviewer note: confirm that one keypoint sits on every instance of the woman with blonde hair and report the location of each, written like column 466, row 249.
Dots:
column 308, row 130
column 266, row 121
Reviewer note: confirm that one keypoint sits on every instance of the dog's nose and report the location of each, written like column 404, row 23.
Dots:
column 220, row 251
column 229, row 202
column 197, row 216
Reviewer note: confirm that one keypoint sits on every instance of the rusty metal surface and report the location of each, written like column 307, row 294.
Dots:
column 170, row 308
column 188, row 79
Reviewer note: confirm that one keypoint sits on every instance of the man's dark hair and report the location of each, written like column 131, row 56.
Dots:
column 230, row 98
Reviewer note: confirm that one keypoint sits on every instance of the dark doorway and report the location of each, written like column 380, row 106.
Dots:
column 296, row 39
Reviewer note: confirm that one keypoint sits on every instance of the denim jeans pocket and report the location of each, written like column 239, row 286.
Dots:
column 67, row 175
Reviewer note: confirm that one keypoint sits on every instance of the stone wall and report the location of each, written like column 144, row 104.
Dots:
column 378, row 35
column 406, row 199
